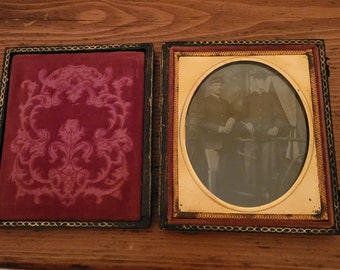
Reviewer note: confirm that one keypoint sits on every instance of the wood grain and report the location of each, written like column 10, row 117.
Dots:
column 61, row 22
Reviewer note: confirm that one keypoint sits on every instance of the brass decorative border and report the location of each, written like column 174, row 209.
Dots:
column 316, row 126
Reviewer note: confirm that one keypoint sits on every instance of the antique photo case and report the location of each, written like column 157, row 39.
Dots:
column 76, row 136
column 247, row 142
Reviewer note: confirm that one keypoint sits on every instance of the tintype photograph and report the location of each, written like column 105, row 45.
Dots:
column 246, row 133
column 247, row 138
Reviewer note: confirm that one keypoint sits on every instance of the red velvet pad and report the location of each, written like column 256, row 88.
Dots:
column 72, row 147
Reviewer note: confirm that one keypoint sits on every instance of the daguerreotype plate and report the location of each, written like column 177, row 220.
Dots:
column 247, row 138
column 75, row 136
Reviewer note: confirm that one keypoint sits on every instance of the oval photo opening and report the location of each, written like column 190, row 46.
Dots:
column 246, row 134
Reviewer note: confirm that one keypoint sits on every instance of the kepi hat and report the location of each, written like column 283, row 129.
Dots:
column 260, row 74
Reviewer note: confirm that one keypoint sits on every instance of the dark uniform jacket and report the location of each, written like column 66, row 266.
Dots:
column 264, row 111
column 213, row 113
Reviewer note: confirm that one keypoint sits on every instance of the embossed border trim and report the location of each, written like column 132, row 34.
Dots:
column 147, row 49
column 167, row 190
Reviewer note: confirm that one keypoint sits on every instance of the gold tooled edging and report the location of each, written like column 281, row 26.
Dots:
column 68, row 224
column 221, row 228
column 329, row 136
column 4, row 81
column 257, row 42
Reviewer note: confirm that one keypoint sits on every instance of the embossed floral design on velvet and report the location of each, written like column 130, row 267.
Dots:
column 69, row 179
column 73, row 159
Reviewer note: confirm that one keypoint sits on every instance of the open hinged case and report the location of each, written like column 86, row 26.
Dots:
column 75, row 136
column 247, row 142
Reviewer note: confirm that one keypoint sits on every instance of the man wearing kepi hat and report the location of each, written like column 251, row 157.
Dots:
column 216, row 120
column 264, row 119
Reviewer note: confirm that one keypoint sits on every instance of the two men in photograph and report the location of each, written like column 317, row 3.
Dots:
column 240, row 145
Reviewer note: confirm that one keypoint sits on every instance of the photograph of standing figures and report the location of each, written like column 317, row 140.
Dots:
column 246, row 133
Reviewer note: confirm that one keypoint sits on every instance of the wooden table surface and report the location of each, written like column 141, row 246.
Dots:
column 61, row 22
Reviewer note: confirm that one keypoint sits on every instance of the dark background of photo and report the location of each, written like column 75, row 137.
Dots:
column 62, row 22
